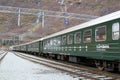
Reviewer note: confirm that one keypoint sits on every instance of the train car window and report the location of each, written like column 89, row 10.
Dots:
column 29, row 46
column 115, row 31
column 100, row 33
column 70, row 39
column 44, row 43
column 32, row 45
column 54, row 42
column 59, row 40
column 63, row 40
column 36, row 44
column 51, row 42
column 48, row 43
column 87, row 36
column 77, row 37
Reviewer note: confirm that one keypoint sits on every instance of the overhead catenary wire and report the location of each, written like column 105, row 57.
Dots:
column 42, row 13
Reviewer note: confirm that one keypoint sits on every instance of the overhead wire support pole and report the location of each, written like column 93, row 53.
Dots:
column 43, row 19
column 38, row 19
column 62, row 2
column 19, row 25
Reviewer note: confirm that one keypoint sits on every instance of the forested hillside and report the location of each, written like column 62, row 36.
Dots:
column 30, row 30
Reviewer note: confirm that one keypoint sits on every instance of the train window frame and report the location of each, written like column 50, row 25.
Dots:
column 36, row 45
column 116, row 31
column 33, row 45
column 87, row 36
column 44, row 43
column 70, row 41
column 48, row 42
column 58, row 40
column 29, row 45
column 75, row 38
column 54, row 42
column 103, row 36
column 63, row 41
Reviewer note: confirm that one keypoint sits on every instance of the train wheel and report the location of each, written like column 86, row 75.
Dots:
column 99, row 65
column 100, row 68
column 119, row 67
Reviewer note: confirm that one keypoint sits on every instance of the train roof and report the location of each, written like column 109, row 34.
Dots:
column 99, row 20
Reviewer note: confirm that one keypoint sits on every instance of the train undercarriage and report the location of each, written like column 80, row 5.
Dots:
column 107, row 65
column 100, row 64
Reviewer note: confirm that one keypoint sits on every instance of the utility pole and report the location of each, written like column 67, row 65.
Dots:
column 62, row 2
column 43, row 19
column 19, row 25
column 38, row 18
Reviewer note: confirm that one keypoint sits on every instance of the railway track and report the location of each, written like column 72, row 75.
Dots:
column 2, row 55
column 82, row 73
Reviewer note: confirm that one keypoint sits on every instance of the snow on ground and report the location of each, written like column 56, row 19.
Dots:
column 16, row 68
column 1, row 51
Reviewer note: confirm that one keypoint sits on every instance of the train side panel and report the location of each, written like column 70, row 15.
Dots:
column 94, row 42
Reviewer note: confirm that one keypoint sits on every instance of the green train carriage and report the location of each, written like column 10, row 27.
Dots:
column 97, row 40
column 17, row 48
column 20, row 48
column 23, row 48
column 35, row 47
